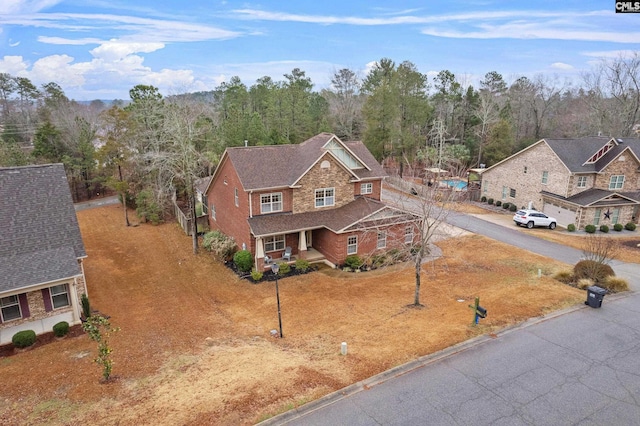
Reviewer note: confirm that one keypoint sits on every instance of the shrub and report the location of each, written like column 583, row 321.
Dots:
column 630, row 226
column 243, row 260
column 24, row 338
column 584, row 283
column 498, row 203
column 302, row 265
column 256, row 275
column 513, row 208
column 590, row 229
column 604, row 228
column 146, row 207
column 615, row 284
column 221, row 245
column 490, row 201
column 61, row 329
column 483, row 199
column 593, row 270
column 378, row 260
column 618, row 227
column 86, row 306
column 564, row 277
column 353, row 261
column 506, row 206
column 285, row 268
column 571, row 227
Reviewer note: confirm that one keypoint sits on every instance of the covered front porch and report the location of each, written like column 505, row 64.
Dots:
column 275, row 249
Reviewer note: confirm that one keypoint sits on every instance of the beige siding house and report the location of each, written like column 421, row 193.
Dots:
column 583, row 181
column 41, row 251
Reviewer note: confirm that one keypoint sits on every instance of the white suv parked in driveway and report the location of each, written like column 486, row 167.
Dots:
column 531, row 218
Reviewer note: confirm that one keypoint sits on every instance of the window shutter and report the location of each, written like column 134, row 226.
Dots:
column 46, row 297
column 24, row 305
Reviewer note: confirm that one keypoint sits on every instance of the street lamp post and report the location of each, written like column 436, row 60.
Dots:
column 275, row 268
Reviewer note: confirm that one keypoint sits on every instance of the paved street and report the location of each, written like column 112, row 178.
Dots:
column 580, row 368
column 576, row 367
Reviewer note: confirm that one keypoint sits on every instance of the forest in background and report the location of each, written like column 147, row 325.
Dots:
column 152, row 145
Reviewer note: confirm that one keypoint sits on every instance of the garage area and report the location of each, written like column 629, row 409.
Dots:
column 563, row 215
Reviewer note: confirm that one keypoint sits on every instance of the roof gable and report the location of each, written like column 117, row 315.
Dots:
column 40, row 239
column 277, row 166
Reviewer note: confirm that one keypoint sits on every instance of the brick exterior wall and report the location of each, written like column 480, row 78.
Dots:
column 230, row 220
column 376, row 189
column 511, row 174
column 335, row 176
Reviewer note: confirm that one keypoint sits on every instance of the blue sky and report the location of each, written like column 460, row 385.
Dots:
column 99, row 49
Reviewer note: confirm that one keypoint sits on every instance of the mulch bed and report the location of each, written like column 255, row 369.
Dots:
column 41, row 340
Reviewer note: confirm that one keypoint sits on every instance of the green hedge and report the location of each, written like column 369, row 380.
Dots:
column 604, row 228
column 618, row 227
column 571, row 227
column 630, row 226
column 590, row 229
column 61, row 329
column 24, row 338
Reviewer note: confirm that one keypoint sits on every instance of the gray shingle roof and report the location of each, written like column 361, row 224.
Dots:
column 40, row 238
column 574, row 152
column 276, row 166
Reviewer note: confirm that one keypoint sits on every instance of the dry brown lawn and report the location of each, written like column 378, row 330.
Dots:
column 195, row 348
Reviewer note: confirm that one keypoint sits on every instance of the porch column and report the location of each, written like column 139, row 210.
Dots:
column 302, row 244
column 75, row 304
column 259, row 254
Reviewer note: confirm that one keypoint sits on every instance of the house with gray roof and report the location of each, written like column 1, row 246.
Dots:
column 583, row 181
column 319, row 198
column 41, row 251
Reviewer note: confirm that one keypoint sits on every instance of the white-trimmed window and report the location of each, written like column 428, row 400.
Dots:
column 325, row 197
column 504, row 192
column 616, row 182
column 59, row 296
column 382, row 239
column 615, row 216
column 545, row 177
column 352, row 244
column 485, row 186
column 512, row 193
column 596, row 217
column 366, row 188
column 582, row 181
column 408, row 234
column 10, row 308
column 270, row 203
column 213, row 212
column 274, row 243
column 236, row 197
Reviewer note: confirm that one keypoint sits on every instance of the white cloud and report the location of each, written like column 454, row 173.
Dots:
column 57, row 68
column 562, row 66
column 14, row 65
column 25, row 6
column 115, row 50
column 68, row 41
column 612, row 54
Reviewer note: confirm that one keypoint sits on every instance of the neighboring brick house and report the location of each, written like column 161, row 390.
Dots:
column 583, row 181
column 41, row 251
column 320, row 197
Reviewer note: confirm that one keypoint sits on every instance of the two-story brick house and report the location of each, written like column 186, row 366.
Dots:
column 41, row 251
column 320, row 197
column 583, row 181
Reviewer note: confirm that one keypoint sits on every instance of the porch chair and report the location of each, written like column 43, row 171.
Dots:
column 267, row 259
column 287, row 254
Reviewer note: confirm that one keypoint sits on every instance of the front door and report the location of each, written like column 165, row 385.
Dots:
column 307, row 236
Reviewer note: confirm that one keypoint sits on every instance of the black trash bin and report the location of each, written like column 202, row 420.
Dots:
column 595, row 295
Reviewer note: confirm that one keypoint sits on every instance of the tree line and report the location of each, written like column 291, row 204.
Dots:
column 151, row 145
